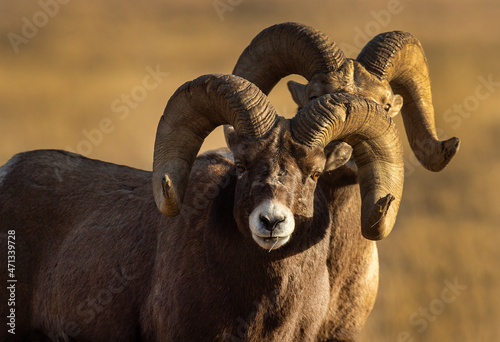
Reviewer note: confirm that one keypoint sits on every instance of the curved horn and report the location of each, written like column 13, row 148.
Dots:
column 285, row 49
column 193, row 111
column 399, row 58
column 377, row 152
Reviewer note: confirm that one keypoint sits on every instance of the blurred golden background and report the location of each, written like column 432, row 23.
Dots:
column 94, row 77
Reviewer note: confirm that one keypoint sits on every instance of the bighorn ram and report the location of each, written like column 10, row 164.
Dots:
column 265, row 248
column 392, row 61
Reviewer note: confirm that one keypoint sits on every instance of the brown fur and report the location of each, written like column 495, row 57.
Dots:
column 96, row 261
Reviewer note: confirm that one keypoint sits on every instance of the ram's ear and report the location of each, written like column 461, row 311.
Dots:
column 397, row 104
column 298, row 92
column 337, row 154
column 232, row 138
column 230, row 135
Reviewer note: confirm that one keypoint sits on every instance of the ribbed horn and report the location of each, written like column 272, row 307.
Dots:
column 398, row 57
column 377, row 152
column 193, row 111
column 285, row 49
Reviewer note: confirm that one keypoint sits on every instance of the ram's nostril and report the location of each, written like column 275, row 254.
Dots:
column 270, row 223
column 265, row 221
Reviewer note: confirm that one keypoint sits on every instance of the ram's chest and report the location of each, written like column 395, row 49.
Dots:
column 284, row 309
column 288, row 313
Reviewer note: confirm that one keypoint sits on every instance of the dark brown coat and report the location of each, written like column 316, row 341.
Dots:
column 96, row 261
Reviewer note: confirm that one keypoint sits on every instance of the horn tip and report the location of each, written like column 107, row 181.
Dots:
column 168, row 201
column 451, row 147
column 448, row 150
column 376, row 227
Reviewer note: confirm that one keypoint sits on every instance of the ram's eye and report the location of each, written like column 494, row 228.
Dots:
column 240, row 168
column 316, row 175
column 387, row 107
column 312, row 97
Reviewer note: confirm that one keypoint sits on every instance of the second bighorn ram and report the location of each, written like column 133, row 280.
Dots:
column 390, row 70
column 264, row 245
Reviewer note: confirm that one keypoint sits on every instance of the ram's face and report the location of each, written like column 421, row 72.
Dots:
column 276, row 183
column 352, row 79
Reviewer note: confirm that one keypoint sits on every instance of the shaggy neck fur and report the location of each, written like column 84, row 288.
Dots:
column 238, row 289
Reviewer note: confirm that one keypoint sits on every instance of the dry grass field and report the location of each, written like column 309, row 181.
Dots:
column 72, row 77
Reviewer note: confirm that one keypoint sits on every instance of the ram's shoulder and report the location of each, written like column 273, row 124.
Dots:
column 212, row 165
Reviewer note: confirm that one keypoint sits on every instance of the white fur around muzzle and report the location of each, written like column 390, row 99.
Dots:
column 280, row 234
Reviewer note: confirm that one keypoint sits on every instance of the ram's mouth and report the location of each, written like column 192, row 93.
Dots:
column 270, row 242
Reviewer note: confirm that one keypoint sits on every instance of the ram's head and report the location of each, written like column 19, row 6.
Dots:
column 390, row 70
column 278, row 161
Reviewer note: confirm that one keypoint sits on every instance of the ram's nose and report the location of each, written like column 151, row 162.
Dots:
column 271, row 224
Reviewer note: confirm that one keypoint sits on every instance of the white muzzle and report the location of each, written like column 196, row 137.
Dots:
column 271, row 224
